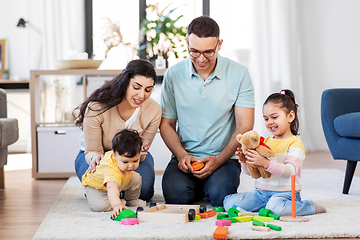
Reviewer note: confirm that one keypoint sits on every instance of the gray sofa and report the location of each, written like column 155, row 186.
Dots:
column 9, row 133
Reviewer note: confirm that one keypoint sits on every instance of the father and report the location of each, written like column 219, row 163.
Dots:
column 206, row 101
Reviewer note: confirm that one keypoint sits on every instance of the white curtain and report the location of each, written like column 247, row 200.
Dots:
column 62, row 26
column 275, row 57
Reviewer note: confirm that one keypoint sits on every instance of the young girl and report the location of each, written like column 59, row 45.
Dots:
column 274, row 193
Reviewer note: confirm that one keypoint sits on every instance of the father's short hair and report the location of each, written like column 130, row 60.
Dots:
column 127, row 142
column 204, row 26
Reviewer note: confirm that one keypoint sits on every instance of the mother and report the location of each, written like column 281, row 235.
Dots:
column 120, row 103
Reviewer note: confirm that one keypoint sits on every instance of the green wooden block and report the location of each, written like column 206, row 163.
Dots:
column 233, row 220
column 197, row 217
column 232, row 212
column 221, row 216
column 125, row 213
column 219, row 209
column 258, row 223
column 274, row 227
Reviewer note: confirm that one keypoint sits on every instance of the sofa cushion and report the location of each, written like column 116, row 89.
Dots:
column 348, row 125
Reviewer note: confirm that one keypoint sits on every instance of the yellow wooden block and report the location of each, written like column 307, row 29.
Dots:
column 264, row 219
column 197, row 217
column 244, row 218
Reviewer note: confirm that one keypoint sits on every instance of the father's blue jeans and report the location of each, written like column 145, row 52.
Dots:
column 184, row 188
column 145, row 169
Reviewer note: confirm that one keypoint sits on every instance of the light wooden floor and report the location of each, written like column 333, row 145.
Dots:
column 25, row 202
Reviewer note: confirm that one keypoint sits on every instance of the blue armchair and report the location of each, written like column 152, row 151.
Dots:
column 340, row 117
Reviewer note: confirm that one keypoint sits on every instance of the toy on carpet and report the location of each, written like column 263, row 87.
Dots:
column 220, row 232
column 293, row 217
column 268, row 213
column 129, row 221
column 252, row 140
column 169, row 213
column 125, row 213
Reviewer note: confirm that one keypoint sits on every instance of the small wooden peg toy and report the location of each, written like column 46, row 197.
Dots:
column 293, row 217
column 267, row 213
column 260, row 228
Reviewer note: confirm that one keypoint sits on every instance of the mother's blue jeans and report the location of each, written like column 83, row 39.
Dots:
column 185, row 188
column 145, row 169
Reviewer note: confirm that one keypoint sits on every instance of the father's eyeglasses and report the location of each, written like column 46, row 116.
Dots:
column 207, row 53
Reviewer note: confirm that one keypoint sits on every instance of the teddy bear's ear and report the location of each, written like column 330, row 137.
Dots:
column 238, row 138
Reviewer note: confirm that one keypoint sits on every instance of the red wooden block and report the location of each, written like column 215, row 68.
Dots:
column 220, row 232
column 207, row 214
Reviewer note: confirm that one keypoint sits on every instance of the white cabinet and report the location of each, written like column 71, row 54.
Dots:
column 57, row 148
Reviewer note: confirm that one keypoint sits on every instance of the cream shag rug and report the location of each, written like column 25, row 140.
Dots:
column 71, row 218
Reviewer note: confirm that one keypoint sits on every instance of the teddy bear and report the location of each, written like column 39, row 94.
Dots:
column 252, row 140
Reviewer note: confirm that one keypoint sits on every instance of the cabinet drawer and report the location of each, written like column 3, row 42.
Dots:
column 57, row 148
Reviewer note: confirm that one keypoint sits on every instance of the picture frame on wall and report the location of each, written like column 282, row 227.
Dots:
column 2, row 56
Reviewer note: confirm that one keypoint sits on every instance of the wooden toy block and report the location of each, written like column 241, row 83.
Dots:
column 207, row 214
column 244, row 218
column 220, row 232
column 260, row 228
column 223, row 223
column 258, row 223
column 168, row 213
column 268, row 213
column 233, row 212
column 233, row 220
column 219, row 209
column 221, row 216
column 264, row 219
column 129, row 221
column 125, row 213
column 197, row 217
column 245, row 214
column 274, row 227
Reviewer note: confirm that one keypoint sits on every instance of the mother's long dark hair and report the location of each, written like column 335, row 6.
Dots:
column 113, row 92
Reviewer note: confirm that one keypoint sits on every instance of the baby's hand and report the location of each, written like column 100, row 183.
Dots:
column 117, row 208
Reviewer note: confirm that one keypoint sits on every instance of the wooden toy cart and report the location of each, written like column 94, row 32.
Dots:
column 169, row 213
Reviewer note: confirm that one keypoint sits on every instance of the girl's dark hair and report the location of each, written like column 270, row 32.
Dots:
column 111, row 93
column 286, row 100
column 127, row 142
column 204, row 26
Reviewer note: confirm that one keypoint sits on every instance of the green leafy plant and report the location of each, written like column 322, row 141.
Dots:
column 162, row 35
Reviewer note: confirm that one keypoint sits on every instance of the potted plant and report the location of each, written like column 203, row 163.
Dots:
column 163, row 36
column 5, row 74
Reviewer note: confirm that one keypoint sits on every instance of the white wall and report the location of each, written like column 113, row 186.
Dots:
column 330, row 38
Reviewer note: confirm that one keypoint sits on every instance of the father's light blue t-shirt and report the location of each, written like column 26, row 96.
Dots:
column 205, row 109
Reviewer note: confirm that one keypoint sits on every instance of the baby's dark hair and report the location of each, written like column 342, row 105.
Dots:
column 127, row 142
column 286, row 100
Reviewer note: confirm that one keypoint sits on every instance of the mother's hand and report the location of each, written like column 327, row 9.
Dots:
column 94, row 161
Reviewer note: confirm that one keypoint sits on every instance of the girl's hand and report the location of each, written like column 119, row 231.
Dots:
column 94, row 161
column 117, row 208
column 240, row 155
column 255, row 158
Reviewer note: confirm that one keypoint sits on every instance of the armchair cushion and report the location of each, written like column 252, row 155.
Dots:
column 348, row 125
column 9, row 131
